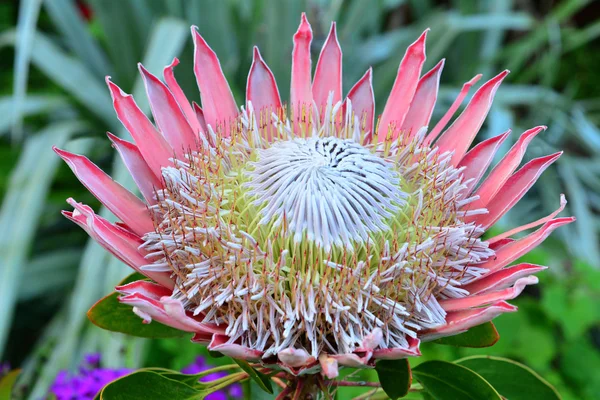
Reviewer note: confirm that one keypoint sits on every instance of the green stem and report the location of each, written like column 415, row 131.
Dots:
column 224, row 382
column 217, row 369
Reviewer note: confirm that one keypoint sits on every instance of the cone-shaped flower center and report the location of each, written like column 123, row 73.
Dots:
column 314, row 241
column 329, row 190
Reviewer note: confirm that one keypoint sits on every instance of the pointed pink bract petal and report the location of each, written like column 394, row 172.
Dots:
column 421, row 107
column 168, row 115
column 166, row 310
column 200, row 117
column 363, row 101
column 503, row 278
column 459, row 136
column 505, row 167
column 118, row 241
column 301, row 91
column 120, row 201
column 148, row 289
column 145, row 180
column 261, row 90
column 403, row 90
column 488, row 297
column 455, row 105
column 218, row 103
column 180, row 96
column 563, row 203
column 478, row 159
column 461, row 321
column 153, row 146
column 398, row 353
column 514, row 189
column 328, row 73
column 513, row 250
column 219, row 343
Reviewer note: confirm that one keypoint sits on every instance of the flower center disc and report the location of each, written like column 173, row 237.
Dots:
column 331, row 191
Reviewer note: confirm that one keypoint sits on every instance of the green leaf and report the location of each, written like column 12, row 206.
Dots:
column 7, row 383
column 394, row 376
column 513, row 380
column 484, row 335
column 142, row 385
column 448, row 381
column 261, row 379
column 108, row 313
column 215, row 354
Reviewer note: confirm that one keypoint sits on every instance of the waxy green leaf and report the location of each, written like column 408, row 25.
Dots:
column 513, row 380
column 395, row 377
column 142, row 385
column 484, row 335
column 448, row 381
column 108, row 313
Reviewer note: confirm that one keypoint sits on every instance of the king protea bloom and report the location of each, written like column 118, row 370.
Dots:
column 313, row 235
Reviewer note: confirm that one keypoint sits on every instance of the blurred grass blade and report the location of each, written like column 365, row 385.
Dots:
column 68, row 20
column 29, row 11
column 53, row 271
column 72, row 76
column 21, row 210
column 32, row 105
column 167, row 40
column 587, row 245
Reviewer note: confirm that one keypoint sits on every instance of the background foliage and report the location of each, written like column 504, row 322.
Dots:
column 55, row 54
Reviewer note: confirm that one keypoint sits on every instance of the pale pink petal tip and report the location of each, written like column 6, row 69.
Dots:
column 295, row 358
column 261, row 87
column 461, row 321
column 121, row 202
column 397, row 353
column 304, row 28
column 221, row 344
column 329, row 366
column 403, row 90
column 220, row 108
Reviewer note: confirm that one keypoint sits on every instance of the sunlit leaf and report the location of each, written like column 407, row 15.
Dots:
column 448, row 381
column 511, row 379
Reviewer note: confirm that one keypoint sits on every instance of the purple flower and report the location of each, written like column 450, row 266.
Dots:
column 91, row 378
column 87, row 383
column 4, row 368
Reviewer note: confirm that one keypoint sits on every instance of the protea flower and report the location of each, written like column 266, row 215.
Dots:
column 307, row 237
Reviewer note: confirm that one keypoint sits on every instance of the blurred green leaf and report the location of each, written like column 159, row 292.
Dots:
column 22, row 207
column 7, row 383
column 29, row 11
column 69, row 21
column 513, row 380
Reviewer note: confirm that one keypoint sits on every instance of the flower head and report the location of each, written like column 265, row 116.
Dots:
column 308, row 235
